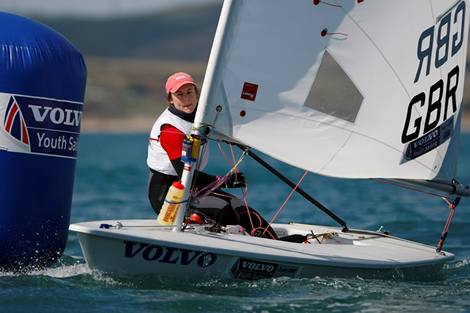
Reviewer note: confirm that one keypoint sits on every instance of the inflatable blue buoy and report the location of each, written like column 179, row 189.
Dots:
column 42, row 89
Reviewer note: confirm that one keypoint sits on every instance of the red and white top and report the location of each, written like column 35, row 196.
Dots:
column 166, row 142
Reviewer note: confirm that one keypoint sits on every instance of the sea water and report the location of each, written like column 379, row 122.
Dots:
column 111, row 183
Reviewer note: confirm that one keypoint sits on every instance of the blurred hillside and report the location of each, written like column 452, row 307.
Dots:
column 183, row 34
column 129, row 59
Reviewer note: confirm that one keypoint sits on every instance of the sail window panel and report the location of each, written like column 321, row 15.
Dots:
column 333, row 92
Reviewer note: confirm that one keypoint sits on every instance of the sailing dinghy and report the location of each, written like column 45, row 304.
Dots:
column 348, row 89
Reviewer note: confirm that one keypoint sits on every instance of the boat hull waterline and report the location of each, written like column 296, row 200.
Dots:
column 141, row 247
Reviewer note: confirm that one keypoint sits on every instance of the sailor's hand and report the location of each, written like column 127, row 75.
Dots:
column 236, row 180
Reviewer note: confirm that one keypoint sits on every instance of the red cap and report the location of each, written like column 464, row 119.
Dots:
column 178, row 185
column 177, row 80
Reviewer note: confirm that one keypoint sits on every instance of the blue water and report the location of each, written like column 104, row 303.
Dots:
column 110, row 183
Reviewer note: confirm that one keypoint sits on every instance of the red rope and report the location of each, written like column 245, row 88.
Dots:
column 223, row 152
column 244, row 190
column 285, row 202
column 451, row 215
column 452, row 207
column 244, row 193
column 223, row 179
column 414, row 189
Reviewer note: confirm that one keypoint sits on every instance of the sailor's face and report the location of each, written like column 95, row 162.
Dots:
column 185, row 98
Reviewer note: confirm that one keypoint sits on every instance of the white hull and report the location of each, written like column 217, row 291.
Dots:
column 145, row 247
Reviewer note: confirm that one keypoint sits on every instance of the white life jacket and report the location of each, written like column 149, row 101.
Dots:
column 157, row 158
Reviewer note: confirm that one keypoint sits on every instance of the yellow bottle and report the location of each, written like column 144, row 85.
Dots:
column 172, row 204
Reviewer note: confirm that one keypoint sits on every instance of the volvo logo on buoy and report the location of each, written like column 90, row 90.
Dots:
column 41, row 125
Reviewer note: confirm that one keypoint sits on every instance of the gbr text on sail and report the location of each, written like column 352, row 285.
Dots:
column 436, row 46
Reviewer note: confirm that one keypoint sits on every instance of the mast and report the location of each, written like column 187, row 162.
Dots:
column 189, row 156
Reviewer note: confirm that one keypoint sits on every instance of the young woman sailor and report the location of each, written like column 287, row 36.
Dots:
column 166, row 167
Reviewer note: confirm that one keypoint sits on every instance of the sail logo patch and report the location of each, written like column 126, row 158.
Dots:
column 41, row 125
column 429, row 141
column 249, row 91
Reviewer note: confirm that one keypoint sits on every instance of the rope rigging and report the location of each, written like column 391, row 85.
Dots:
column 204, row 192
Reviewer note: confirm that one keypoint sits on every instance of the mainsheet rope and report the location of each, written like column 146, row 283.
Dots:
column 223, row 179
column 244, row 190
column 204, row 192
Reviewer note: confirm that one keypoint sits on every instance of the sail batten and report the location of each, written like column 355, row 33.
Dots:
column 393, row 109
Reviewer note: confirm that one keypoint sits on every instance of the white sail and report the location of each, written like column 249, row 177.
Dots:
column 355, row 89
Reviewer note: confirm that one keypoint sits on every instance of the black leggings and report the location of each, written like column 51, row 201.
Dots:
column 223, row 209
column 219, row 206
